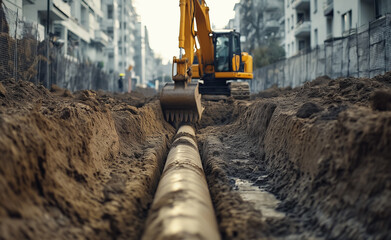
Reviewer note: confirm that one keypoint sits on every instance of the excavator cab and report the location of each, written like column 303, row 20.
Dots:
column 230, row 64
column 227, row 51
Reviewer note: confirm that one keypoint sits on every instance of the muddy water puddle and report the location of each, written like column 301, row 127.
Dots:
column 263, row 201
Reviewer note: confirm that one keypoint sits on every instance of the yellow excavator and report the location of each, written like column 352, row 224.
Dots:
column 215, row 58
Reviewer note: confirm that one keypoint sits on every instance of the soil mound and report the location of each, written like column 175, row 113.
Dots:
column 81, row 165
column 322, row 149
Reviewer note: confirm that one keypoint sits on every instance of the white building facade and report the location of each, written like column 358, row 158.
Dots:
column 308, row 23
column 120, row 25
column 100, row 32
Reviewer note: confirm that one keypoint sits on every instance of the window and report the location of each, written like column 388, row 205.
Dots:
column 110, row 11
column 289, row 48
column 316, row 37
column 382, row 7
column 84, row 16
column 301, row 45
column 111, row 55
column 300, row 18
column 222, row 53
column 289, row 24
column 329, row 27
column 110, row 32
column 347, row 21
column 315, row 6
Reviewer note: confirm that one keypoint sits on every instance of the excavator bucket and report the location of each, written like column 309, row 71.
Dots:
column 181, row 103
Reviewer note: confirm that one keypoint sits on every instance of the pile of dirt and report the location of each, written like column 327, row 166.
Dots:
column 322, row 149
column 81, row 165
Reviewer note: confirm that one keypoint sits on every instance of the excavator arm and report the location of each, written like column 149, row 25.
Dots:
column 181, row 101
column 195, row 13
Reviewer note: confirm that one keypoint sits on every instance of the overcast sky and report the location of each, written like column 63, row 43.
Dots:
column 162, row 20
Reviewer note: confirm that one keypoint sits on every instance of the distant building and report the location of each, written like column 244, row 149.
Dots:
column 119, row 24
column 75, row 25
column 257, row 21
column 308, row 23
column 97, row 31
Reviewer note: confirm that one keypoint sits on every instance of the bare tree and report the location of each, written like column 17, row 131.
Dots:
column 254, row 14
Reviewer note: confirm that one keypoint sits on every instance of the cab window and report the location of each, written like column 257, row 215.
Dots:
column 222, row 53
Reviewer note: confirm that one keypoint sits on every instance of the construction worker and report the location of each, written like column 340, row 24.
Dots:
column 121, row 82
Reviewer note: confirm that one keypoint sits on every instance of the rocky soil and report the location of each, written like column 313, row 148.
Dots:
column 306, row 163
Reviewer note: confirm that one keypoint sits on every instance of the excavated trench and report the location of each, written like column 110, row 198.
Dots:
column 304, row 163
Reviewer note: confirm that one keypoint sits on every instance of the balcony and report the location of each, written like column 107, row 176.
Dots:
column 61, row 6
column 301, row 4
column 101, row 38
column 272, row 6
column 58, row 11
column 328, row 7
column 303, row 29
column 272, row 26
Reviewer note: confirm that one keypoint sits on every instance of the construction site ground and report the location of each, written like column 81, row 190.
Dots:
column 313, row 162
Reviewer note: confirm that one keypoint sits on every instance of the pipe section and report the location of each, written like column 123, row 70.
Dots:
column 182, row 207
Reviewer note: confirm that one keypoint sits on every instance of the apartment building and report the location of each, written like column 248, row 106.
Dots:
column 98, row 31
column 297, row 26
column 120, row 25
column 73, row 24
column 148, row 68
column 308, row 23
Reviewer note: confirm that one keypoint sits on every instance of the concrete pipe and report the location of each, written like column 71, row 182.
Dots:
column 182, row 207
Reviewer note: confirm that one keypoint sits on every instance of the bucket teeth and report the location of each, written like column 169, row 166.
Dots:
column 181, row 116
column 167, row 115
column 172, row 115
column 181, row 103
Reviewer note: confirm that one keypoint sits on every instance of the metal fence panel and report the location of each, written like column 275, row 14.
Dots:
column 23, row 56
column 366, row 52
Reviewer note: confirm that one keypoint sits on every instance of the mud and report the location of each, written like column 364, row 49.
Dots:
column 323, row 150
column 81, row 165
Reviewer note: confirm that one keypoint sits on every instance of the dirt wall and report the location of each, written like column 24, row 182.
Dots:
column 324, row 149
column 81, row 165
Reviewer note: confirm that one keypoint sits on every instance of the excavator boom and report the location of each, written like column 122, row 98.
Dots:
column 181, row 101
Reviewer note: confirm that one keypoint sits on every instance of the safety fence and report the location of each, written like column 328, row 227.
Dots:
column 364, row 52
column 27, row 54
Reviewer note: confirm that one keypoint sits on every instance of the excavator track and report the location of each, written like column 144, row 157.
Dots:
column 240, row 90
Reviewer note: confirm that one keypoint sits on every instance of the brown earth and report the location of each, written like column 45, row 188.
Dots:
column 323, row 149
column 86, row 165
column 77, row 166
